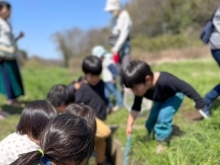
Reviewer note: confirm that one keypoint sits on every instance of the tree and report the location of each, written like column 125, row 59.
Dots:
column 76, row 42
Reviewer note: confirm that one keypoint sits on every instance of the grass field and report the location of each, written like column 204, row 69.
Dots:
column 199, row 144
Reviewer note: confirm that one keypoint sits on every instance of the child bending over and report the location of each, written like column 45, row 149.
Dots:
column 167, row 92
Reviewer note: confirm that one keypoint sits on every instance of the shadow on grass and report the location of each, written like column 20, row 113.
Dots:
column 11, row 109
column 177, row 132
column 215, row 104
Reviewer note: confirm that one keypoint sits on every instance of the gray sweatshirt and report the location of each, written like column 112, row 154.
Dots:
column 214, row 41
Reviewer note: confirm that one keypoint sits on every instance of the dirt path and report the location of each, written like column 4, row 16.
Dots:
column 192, row 116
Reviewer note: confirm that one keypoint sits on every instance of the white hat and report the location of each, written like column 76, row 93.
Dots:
column 113, row 5
column 98, row 51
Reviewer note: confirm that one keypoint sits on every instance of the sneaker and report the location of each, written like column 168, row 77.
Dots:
column 115, row 108
column 2, row 117
column 204, row 115
column 205, row 112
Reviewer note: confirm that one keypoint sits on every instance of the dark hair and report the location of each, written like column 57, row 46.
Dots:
column 81, row 79
column 59, row 95
column 4, row 4
column 92, row 65
column 83, row 111
column 136, row 73
column 66, row 138
column 34, row 118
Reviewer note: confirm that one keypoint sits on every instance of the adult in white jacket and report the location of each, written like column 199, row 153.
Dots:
column 121, row 25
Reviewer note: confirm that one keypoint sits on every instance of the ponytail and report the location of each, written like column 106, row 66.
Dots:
column 29, row 158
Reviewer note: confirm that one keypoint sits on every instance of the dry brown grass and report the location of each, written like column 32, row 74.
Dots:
column 173, row 55
column 75, row 64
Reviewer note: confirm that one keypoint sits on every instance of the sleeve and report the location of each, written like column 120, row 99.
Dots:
column 102, row 131
column 216, row 20
column 113, row 70
column 137, row 103
column 183, row 87
column 124, row 32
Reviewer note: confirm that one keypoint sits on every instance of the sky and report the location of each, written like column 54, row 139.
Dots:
column 39, row 19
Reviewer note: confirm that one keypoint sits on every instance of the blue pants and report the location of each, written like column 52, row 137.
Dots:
column 111, row 88
column 161, row 116
column 215, row 92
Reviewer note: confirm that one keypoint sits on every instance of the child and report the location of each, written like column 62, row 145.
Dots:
column 92, row 92
column 100, row 129
column 34, row 119
column 59, row 96
column 62, row 143
column 167, row 92
column 109, row 73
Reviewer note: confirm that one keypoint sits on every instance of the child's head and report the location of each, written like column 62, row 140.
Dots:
column 139, row 77
column 35, row 117
column 99, row 51
column 92, row 68
column 5, row 10
column 59, row 96
column 83, row 111
column 66, row 140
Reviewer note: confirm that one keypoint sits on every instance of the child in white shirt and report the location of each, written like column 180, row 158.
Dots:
column 34, row 119
column 109, row 73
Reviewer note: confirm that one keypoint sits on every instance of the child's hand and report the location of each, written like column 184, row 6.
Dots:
column 129, row 131
column 160, row 149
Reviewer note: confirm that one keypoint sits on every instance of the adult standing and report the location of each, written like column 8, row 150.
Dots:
column 214, row 43
column 10, row 79
column 121, row 25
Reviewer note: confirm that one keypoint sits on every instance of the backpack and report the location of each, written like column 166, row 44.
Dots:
column 207, row 30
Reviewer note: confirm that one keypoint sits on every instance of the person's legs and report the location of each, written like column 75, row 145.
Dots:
column 102, row 132
column 100, row 147
column 8, row 89
column 117, row 96
column 152, row 119
column 163, row 127
column 215, row 92
column 216, row 55
column 124, row 62
column 113, row 90
column 108, row 94
column 210, row 97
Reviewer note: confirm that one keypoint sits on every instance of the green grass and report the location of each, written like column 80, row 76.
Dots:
column 37, row 82
column 198, row 146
